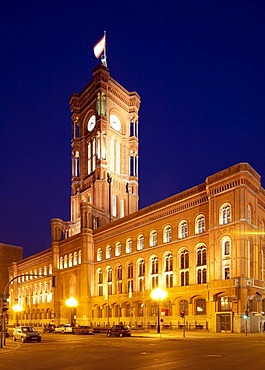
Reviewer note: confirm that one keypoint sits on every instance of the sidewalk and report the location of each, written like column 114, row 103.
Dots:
column 178, row 334
column 10, row 346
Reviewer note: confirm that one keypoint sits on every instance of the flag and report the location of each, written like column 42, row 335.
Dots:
column 100, row 46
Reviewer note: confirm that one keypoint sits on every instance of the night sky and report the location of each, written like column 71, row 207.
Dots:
column 198, row 67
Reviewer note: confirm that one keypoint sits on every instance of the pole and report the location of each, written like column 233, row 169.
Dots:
column 158, row 317
column 246, row 327
column 184, row 326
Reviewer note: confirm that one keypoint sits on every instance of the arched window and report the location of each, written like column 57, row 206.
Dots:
column 201, row 265
column 99, row 254
column 130, row 279
column 249, row 218
column 201, row 256
column 122, row 207
column 225, row 214
column 108, row 252
column 226, row 248
column 200, row 224
column 153, row 238
column 100, row 282
column 183, row 229
column 140, row 242
column 50, row 269
column 75, row 259
column 129, row 246
column 114, row 205
column 167, row 234
column 119, row 279
column 70, row 260
column 168, row 270
column 154, row 272
column 168, row 262
column 109, row 280
column 200, row 307
column 184, row 267
column 79, row 257
column 118, row 249
column 61, row 263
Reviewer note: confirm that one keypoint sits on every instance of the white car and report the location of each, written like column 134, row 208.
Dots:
column 26, row 334
column 63, row 328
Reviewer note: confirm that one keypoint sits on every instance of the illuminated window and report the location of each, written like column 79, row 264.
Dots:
column 128, row 245
column 118, row 249
column 200, row 307
column 183, row 230
column 140, row 242
column 99, row 254
column 249, row 214
column 108, row 251
column 225, row 214
column 114, row 205
column 153, row 238
column 167, row 234
column 200, row 224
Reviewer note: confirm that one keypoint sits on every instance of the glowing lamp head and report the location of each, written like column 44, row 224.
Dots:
column 158, row 294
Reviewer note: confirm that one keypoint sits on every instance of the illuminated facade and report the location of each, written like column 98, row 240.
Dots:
column 204, row 246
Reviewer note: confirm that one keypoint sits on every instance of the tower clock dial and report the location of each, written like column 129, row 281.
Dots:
column 115, row 122
column 91, row 123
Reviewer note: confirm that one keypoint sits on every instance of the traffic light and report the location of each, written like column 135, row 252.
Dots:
column 246, row 314
column 5, row 305
column 182, row 314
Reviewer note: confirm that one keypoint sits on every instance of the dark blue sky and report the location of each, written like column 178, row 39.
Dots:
column 197, row 65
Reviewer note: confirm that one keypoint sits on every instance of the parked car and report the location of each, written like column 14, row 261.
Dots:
column 119, row 331
column 26, row 334
column 49, row 328
column 63, row 328
column 83, row 329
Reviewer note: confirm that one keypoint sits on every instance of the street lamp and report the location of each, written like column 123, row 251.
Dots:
column 72, row 303
column 17, row 308
column 158, row 295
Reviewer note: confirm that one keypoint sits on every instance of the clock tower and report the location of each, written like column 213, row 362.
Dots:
column 104, row 150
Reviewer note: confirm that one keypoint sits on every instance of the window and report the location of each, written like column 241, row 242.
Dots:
column 114, row 205
column 184, row 307
column 70, row 260
column 109, row 280
column 140, row 242
column 225, row 214
column 75, row 258
column 122, row 207
column 130, row 271
column 61, row 264
column 99, row 254
column 201, row 276
column 153, row 238
column 200, row 224
column 200, row 307
column 184, row 265
column 100, row 282
column 154, row 272
column 108, row 252
column 119, row 279
column 201, row 256
column 141, row 268
column 183, row 230
column 225, row 304
column 169, row 262
column 249, row 214
column 118, row 249
column 227, row 272
column 227, row 248
column 169, row 270
column 167, row 234
column 128, row 245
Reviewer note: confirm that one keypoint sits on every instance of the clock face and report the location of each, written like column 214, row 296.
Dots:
column 91, row 123
column 115, row 122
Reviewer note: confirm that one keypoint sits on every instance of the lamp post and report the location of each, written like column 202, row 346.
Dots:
column 72, row 303
column 158, row 295
column 17, row 308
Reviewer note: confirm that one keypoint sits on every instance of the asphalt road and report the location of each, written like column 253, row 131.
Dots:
column 98, row 352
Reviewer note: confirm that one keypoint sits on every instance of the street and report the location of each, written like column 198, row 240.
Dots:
column 98, row 352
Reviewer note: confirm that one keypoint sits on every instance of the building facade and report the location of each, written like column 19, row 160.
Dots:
column 204, row 246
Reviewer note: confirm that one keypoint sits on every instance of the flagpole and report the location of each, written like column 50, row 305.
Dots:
column 104, row 57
